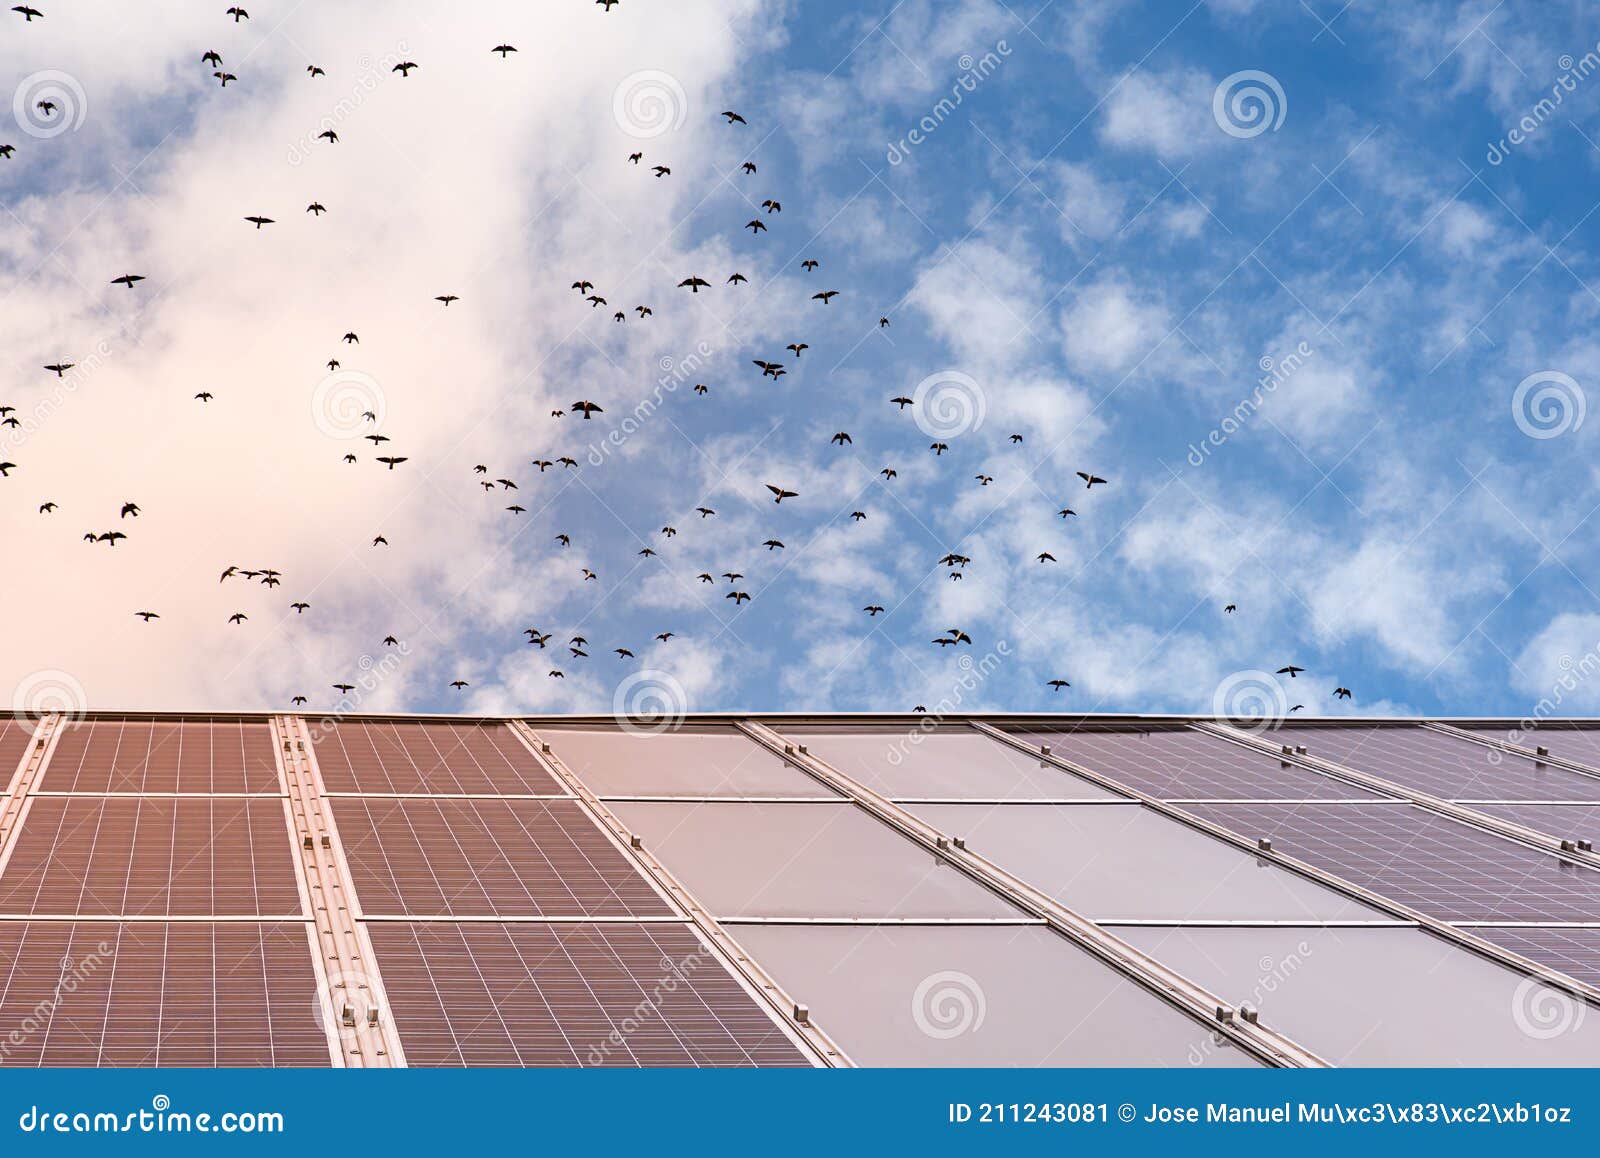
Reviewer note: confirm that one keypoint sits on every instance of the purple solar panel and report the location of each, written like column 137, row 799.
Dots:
column 1572, row 741
column 136, row 755
column 1180, row 763
column 15, row 735
column 1567, row 821
column 1575, row 952
column 433, row 756
column 1440, row 764
column 1439, row 866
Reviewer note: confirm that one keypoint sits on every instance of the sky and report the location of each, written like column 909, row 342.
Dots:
column 1311, row 286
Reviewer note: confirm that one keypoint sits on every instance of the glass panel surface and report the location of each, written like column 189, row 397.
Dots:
column 613, row 762
column 802, row 860
column 948, row 763
column 1382, row 997
column 918, row 995
column 1180, row 763
column 1110, row 861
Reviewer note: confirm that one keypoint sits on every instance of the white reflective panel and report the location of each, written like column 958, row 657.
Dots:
column 918, row 995
column 802, row 860
column 1383, row 997
column 720, row 762
column 947, row 763
column 1115, row 861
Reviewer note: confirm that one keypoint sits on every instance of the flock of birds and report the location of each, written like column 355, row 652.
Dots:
column 577, row 645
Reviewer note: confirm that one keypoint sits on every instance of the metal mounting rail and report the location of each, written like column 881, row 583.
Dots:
column 1237, row 1025
column 790, row 1016
column 1537, row 754
column 1566, row 849
column 1261, row 851
column 35, row 756
column 355, row 1010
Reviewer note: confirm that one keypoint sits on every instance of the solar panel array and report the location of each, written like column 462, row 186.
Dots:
column 154, row 905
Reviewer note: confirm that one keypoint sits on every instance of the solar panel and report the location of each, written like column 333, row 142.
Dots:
column 698, row 762
column 449, row 857
column 133, row 755
column 1179, row 763
column 916, row 762
column 1114, row 861
column 157, row 993
column 152, row 856
column 956, row 995
column 436, row 756
column 1572, row 741
column 1575, row 952
column 15, row 736
column 1440, row 764
column 1439, row 866
column 806, row 860
column 570, row 995
column 1567, row 821
column 1376, row 997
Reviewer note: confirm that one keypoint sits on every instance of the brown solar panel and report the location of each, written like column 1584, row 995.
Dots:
column 157, row 993
column 152, row 856
column 570, row 995
column 132, row 755
column 15, row 735
column 381, row 756
column 458, row 858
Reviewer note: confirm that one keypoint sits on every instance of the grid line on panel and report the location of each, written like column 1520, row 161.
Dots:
column 1575, row 952
column 1431, row 863
column 571, row 995
column 116, row 856
column 180, row 755
column 487, row 858
column 418, row 758
column 1439, row 764
column 103, row 993
column 1179, row 762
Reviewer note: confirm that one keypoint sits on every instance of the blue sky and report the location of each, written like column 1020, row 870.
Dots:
column 1082, row 248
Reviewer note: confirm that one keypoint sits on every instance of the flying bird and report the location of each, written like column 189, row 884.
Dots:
column 1291, row 671
column 1089, row 479
column 779, row 494
column 127, row 279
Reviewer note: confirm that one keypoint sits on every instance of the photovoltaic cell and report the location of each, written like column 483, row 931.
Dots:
column 1567, row 821
column 152, row 856
column 15, row 735
column 1439, row 866
column 461, row 858
column 133, row 755
column 434, row 756
column 1571, row 740
column 1575, row 952
column 156, row 993
column 570, row 995
column 1184, row 764
column 1438, row 763
column 691, row 762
